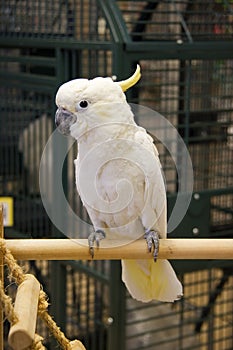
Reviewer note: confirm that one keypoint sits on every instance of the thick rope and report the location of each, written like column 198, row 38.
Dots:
column 16, row 273
column 51, row 324
column 7, row 306
column 37, row 343
column 10, row 314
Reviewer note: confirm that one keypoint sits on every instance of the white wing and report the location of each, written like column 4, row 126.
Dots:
column 154, row 215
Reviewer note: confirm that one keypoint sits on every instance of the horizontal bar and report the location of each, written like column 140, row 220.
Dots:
column 17, row 41
column 36, row 60
column 28, row 78
column 185, row 50
column 77, row 249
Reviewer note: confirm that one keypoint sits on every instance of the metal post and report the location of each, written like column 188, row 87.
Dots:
column 116, row 338
column 57, row 269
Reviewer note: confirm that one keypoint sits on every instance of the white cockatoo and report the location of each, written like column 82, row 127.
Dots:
column 119, row 178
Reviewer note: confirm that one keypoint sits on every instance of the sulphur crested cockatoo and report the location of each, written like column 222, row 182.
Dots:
column 119, row 178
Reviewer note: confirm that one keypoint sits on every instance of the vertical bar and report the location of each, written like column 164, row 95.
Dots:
column 58, row 293
column 117, row 309
column 59, row 209
column 1, row 277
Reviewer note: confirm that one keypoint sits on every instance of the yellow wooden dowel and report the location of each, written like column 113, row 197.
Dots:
column 77, row 345
column 22, row 333
column 71, row 249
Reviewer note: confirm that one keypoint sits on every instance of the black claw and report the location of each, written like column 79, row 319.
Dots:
column 152, row 240
column 95, row 237
column 91, row 251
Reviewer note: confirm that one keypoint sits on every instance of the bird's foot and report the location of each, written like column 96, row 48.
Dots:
column 95, row 237
column 152, row 240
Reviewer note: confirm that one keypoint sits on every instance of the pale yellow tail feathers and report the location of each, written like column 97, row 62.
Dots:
column 147, row 280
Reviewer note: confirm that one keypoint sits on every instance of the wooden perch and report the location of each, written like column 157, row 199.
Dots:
column 22, row 333
column 77, row 249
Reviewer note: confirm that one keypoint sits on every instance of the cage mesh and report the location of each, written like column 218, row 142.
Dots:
column 62, row 20
column 178, row 20
column 190, row 323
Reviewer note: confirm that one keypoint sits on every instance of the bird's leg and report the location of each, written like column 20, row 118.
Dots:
column 95, row 236
column 152, row 240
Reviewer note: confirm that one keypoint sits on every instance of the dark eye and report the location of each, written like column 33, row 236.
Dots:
column 82, row 104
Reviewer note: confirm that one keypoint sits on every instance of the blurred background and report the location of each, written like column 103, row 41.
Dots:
column 185, row 50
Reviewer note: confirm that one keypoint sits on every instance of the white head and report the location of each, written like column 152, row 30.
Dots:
column 83, row 104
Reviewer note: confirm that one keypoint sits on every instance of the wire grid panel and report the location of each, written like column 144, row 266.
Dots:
column 26, row 126
column 196, row 97
column 61, row 20
column 221, row 213
column 201, row 320
column 178, row 20
column 88, row 303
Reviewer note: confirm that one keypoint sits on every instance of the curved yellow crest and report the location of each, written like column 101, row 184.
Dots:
column 126, row 84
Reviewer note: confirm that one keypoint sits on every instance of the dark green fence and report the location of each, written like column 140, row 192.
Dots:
column 186, row 54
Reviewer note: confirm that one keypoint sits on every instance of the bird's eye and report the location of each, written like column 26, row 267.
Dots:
column 82, row 105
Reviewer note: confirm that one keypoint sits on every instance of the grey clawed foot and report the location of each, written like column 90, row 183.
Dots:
column 95, row 237
column 152, row 240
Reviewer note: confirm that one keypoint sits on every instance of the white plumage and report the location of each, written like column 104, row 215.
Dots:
column 118, row 176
